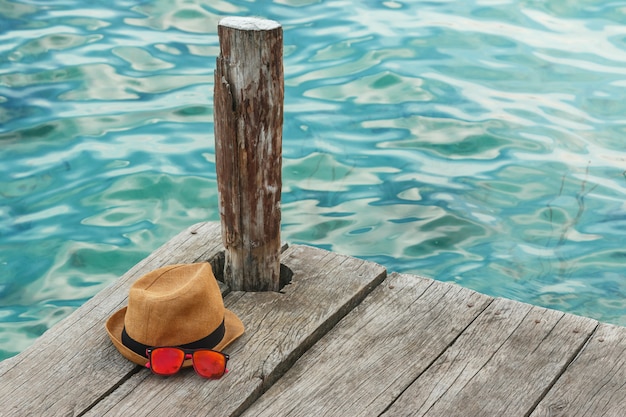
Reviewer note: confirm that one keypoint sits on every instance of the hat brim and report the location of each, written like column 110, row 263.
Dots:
column 115, row 324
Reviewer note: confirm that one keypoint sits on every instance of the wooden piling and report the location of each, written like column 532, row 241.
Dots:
column 248, row 100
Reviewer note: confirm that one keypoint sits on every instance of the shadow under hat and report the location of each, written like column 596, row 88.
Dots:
column 176, row 305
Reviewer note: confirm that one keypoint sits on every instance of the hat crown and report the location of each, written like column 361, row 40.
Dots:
column 174, row 305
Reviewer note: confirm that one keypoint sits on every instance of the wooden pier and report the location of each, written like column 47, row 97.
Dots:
column 342, row 339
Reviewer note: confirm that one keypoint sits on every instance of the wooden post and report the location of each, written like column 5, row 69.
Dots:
column 248, row 100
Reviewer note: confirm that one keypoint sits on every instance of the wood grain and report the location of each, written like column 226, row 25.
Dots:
column 595, row 383
column 248, row 101
column 500, row 366
column 372, row 355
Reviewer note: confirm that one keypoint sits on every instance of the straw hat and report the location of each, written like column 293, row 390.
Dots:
column 176, row 305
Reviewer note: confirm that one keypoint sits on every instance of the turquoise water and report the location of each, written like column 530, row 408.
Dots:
column 478, row 141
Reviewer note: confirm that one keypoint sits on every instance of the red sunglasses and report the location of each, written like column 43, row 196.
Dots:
column 166, row 360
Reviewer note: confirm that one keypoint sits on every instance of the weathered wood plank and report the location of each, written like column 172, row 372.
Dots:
column 279, row 328
column 500, row 366
column 595, row 382
column 375, row 352
column 74, row 364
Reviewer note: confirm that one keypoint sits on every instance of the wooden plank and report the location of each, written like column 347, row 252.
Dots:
column 500, row 366
column 376, row 351
column 279, row 328
column 595, row 383
column 74, row 364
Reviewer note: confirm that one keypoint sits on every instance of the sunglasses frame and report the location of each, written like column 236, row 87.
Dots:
column 188, row 356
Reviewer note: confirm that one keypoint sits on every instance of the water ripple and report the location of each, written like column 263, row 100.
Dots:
column 476, row 142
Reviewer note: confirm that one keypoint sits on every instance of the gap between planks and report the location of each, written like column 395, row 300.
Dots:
column 433, row 357
column 280, row 328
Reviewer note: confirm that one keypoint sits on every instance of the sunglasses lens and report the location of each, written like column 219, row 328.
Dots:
column 167, row 360
column 209, row 364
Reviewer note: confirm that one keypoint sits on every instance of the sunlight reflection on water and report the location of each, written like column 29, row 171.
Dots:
column 474, row 142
